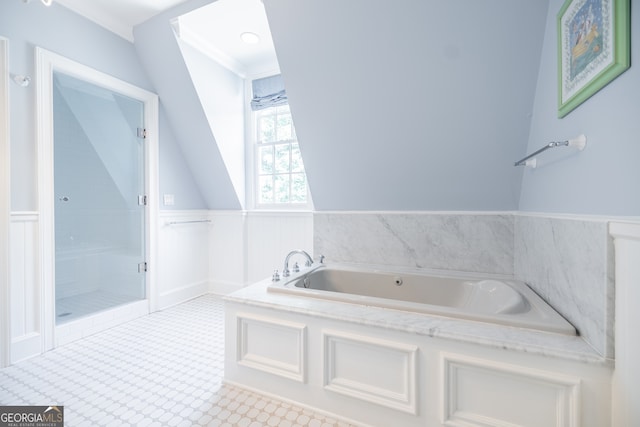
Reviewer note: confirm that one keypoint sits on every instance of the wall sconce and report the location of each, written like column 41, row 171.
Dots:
column 20, row 80
column 44, row 2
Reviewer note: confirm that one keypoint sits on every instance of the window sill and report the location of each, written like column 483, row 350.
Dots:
column 279, row 210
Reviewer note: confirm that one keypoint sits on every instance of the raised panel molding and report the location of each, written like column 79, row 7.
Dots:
column 272, row 345
column 484, row 393
column 371, row 369
column 24, row 286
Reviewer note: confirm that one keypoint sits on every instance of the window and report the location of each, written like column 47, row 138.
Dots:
column 279, row 168
column 279, row 176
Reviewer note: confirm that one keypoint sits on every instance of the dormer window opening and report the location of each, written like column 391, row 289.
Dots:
column 280, row 181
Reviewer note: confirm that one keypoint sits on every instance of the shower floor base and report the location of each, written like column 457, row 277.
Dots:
column 81, row 305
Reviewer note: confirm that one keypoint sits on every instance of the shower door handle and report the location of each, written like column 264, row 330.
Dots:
column 64, row 198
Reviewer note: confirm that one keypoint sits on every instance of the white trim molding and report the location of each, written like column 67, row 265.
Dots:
column 24, row 286
column 626, row 240
column 271, row 345
column 46, row 63
column 349, row 361
column 5, row 206
column 479, row 392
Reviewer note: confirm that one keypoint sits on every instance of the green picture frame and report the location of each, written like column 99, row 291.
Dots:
column 594, row 47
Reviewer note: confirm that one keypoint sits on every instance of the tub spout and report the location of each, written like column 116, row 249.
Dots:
column 308, row 262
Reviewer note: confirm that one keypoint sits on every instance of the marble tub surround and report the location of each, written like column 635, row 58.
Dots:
column 569, row 263
column 567, row 260
column 572, row 348
column 475, row 242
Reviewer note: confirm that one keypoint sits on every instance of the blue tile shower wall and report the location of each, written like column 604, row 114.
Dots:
column 568, row 261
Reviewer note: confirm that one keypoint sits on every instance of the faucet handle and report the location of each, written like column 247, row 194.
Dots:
column 296, row 267
column 276, row 276
column 321, row 259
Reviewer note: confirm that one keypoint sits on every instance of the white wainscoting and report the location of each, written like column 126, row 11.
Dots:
column 228, row 251
column 246, row 247
column 198, row 252
column 25, row 286
column 271, row 236
column 626, row 407
column 183, row 256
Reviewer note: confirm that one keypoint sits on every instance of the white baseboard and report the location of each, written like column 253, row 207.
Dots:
column 25, row 347
column 224, row 288
column 182, row 294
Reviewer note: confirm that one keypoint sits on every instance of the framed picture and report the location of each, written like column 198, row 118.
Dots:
column 594, row 41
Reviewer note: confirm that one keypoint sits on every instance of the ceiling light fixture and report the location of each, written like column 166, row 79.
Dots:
column 250, row 38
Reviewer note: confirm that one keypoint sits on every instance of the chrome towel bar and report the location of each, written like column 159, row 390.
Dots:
column 579, row 142
column 188, row 222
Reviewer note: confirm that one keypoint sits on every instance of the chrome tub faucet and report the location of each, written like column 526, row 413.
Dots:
column 308, row 261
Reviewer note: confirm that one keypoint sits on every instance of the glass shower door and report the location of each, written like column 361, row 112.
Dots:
column 99, row 203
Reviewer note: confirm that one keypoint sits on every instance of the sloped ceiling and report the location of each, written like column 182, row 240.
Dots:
column 411, row 105
column 119, row 16
column 162, row 58
column 215, row 29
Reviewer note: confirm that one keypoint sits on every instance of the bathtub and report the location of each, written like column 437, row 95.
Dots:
column 454, row 295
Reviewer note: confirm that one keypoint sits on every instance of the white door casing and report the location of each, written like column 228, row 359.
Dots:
column 46, row 63
column 5, row 206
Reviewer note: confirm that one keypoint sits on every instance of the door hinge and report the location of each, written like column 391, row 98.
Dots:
column 142, row 133
column 142, row 267
column 142, row 200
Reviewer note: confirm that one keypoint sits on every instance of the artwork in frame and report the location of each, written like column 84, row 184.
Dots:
column 593, row 48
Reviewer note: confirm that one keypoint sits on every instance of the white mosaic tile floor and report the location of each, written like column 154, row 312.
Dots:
column 164, row 369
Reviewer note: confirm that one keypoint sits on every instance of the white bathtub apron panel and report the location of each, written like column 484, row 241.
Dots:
column 375, row 376
column 381, row 367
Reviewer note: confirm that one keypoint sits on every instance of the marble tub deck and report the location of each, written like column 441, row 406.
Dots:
column 573, row 348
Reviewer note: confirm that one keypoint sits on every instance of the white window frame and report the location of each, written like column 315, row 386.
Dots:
column 251, row 160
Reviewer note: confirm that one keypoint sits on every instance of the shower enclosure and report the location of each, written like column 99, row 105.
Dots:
column 99, row 204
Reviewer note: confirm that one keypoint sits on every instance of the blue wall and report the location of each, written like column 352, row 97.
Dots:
column 162, row 58
column 417, row 105
column 603, row 179
column 175, row 176
column 61, row 31
column 222, row 97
